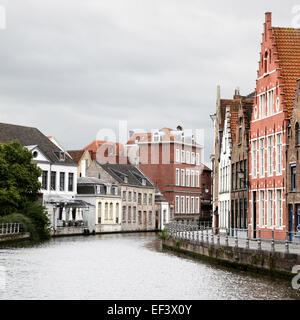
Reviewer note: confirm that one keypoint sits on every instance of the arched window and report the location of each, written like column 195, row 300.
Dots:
column 297, row 134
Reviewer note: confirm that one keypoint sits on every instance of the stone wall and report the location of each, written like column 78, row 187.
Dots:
column 277, row 263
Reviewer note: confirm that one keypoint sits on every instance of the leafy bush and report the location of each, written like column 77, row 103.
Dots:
column 163, row 235
column 25, row 222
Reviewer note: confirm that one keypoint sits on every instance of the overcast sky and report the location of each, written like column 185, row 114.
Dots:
column 73, row 67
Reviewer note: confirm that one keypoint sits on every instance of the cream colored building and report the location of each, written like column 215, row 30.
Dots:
column 137, row 194
column 106, row 203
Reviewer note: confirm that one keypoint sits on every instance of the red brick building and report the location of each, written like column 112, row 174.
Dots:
column 172, row 160
column 279, row 68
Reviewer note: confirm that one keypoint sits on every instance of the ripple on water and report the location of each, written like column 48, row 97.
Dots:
column 128, row 266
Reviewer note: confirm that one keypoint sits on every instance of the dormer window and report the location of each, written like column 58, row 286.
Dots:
column 126, row 179
column 193, row 140
column 143, row 182
column 35, row 154
column 98, row 189
column 61, row 156
column 156, row 137
column 107, row 189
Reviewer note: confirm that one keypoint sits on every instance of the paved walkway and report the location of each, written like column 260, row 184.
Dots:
column 280, row 246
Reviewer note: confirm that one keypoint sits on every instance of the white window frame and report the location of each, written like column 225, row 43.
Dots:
column 188, row 157
column 254, row 159
column 187, row 205
column 198, row 159
column 177, row 180
column 270, row 159
column 279, row 213
column 197, row 179
column 182, row 177
column 279, row 154
column 192, row 205
column 177, row 156
column 177, row 204
column 270, row 208
column 187, row 178
column 182, row 156
column 182, row 204
column 197, row 204
column 192, row 178
column 262, row 157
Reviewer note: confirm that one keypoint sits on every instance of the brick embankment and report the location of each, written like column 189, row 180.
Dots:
column 6, row 238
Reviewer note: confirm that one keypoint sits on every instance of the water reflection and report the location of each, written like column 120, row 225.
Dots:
column 129, row 266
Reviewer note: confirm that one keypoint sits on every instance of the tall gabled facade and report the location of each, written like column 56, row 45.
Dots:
column 279, row 68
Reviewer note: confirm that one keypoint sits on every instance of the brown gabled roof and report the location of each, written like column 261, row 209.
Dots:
column 76, row 154
column 28, row 136
column 288, row 47
column 234, row 105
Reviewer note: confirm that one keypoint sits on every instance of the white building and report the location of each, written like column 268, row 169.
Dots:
column 225, row 175
column 59, row 176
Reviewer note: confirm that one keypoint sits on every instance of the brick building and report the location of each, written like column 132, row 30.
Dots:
column 279, row 68
column 239, row 167
column 225, row 123
column 172, row 160
column 293, row 165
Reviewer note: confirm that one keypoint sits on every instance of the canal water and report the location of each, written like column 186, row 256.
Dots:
column 127, row 266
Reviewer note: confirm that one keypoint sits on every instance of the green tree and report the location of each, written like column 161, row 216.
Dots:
column 19, row 189
column 18, row 178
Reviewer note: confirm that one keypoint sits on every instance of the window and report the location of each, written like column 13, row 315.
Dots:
column 150, row 218
column 129, row 214
column 177, row 177
column 193, row 158
column 293, row 177
column 145, row 198
column 129, row 196
column 111, row 209
column 45, row 180
column 62, row 181
column 139, row 198
column 156, row 137
column 53, row 180
column 270, row 208
column 197, row 204
column 150, row 199
column 140, row 217
column 279, row 208
column 254, row 159
column 177, row 155
column 188, row 159
column 71, row 182
column 192, row 205
column 182, row 204
column 277, row 104
column 134, row 214
column 197, row 159
column 182, row 156
column 262, row 207
column 279, row 153
column 240, row 136
column 182, row 178
column 193, row 178
column 187, row 180
column 297, row 134
column 270, row 156
column 177, row 204
column 262, row 157
column 266, row 62
column 270, row 105
column 134, row 197
column 124, row 214
column 124, row 196
column 164, row 216
column 106, row 211
column 187, row 206
column 197, row 179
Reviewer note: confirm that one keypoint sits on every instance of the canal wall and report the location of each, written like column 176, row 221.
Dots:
column 14, row 237
column 277, row 264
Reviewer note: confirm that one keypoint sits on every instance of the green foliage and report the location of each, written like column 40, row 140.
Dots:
column 163, row 235
column 26, row 223
column 19, row 189
column 177, row 244
column 18, row 178
column 38, row 215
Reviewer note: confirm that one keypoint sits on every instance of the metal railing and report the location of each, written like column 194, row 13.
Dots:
column 269, row 240
column 10, row 228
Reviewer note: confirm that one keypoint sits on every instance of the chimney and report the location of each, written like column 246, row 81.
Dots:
column 237, row 94
column 179, row 128
column 268, row 20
